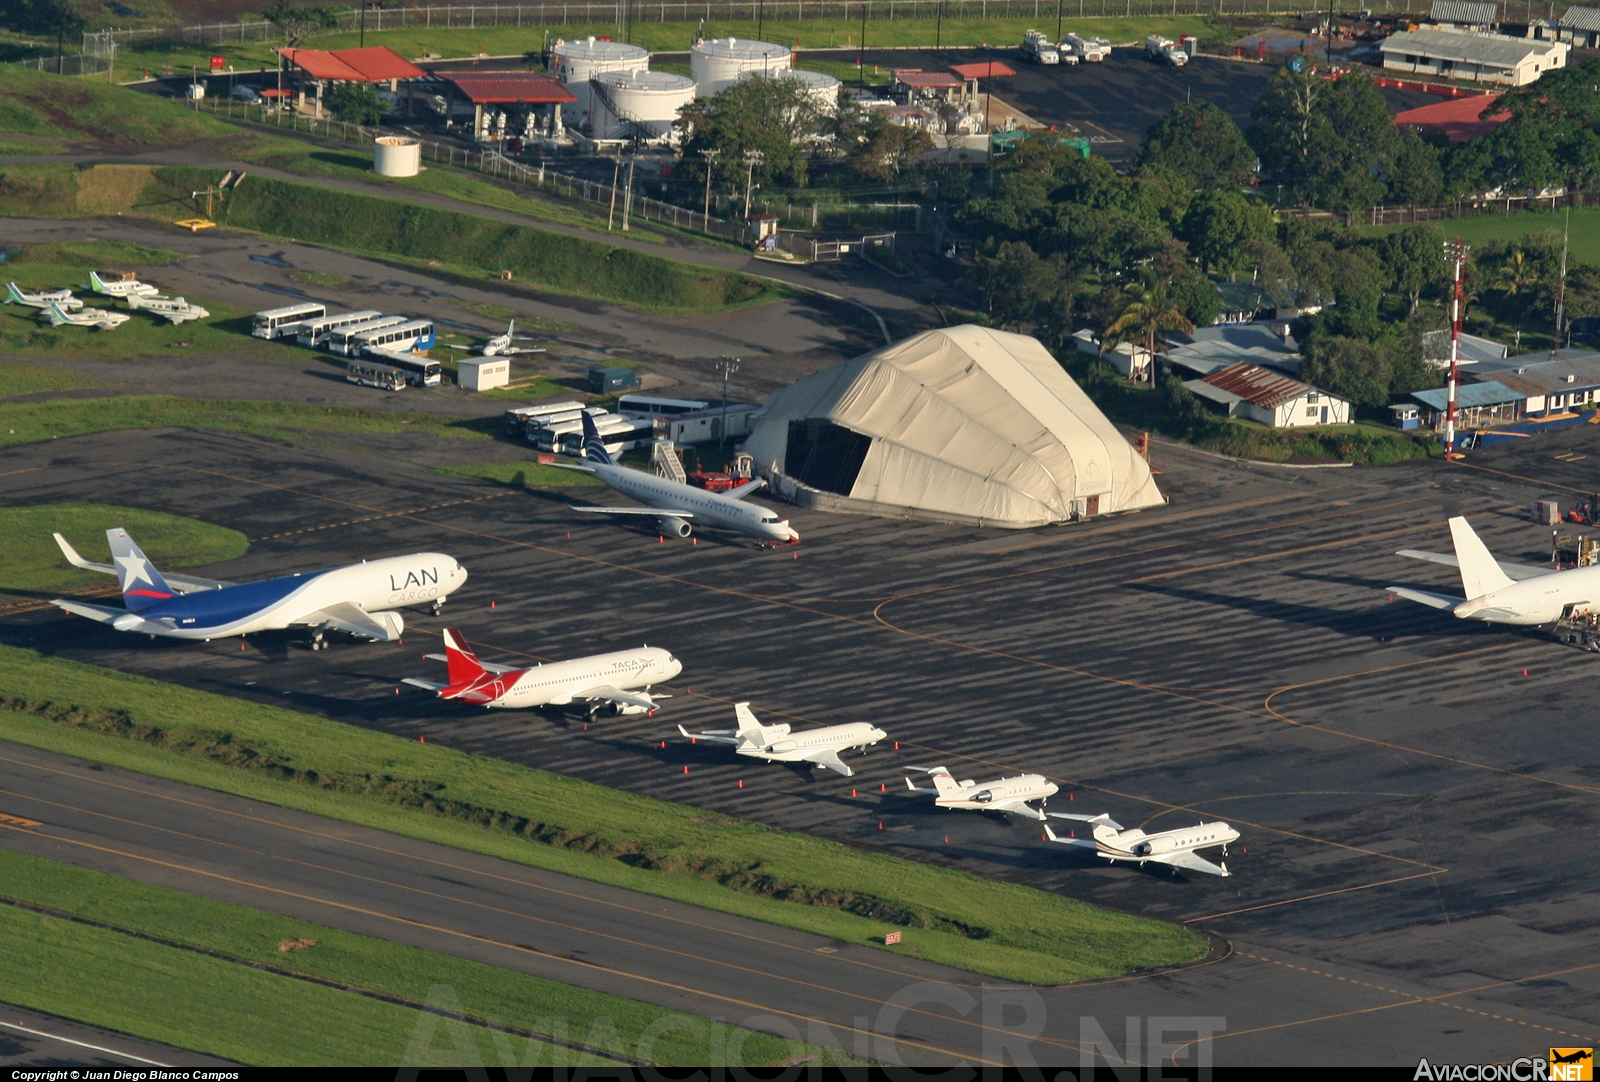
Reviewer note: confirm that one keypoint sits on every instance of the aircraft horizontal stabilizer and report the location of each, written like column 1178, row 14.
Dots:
column 184, row 584
column 426, row 685
column 714, row 736
column 1519, row 572
column 94, row 612
column 1085, row 842
column 753, row 485
column 1433, row 601
column 653, row 512
column 1188, row 861
column 1102, row 818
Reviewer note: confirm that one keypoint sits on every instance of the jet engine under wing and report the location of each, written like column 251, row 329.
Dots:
column 1187, row 860
column 755, row 485
column 381, row 626
column 1519, row 572
column 184, row 584
column 610, row 694
column 829, row 758
column 653, row 512
column 1433, row 601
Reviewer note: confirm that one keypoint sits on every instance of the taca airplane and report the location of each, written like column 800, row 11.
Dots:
column 1504, row 593
column 1175, row 848
column 776, row 744
column 673, row 503
column 352, row 599
column 602, row 678
column 1005, row 794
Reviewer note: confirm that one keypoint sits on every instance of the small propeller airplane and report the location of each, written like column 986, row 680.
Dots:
column 98, row 318
column 175, row 309
column 775, row 743
column 1005, row 794
column 121, row 287
column 15, row 294
column 1174, row 848
column 501, row 345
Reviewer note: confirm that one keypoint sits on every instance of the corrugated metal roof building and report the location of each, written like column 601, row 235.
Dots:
column 1260, row 394
column 1475, row 13
column 1482, row 58
column 1568, row 381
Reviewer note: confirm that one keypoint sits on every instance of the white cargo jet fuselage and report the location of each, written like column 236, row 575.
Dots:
column 1505, row 593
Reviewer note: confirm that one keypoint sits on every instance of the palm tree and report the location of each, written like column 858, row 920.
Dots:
column 1516, row 274
column 1147, row 314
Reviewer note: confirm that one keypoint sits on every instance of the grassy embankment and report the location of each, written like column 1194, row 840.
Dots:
column 33, row 563
column 1477, row 229
column 42, row 104
column 566, row 825
column 183, row 970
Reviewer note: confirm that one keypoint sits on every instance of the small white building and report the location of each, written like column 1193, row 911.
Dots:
column 1130, row 360
column 1260, row 394
column 1579, row 27
column 483, row 373
column 1480, row 58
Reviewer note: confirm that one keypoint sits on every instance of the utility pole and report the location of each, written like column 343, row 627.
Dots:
column 1561, row 290
column 729, row 366
column 711, row 157
column 1058, row 22
column 363, row 24
column 750, row 159
column 861, row 54
column 938, row 21
column 761, row 16
column 611, row 215
column 627, row 200
column 1457, row 254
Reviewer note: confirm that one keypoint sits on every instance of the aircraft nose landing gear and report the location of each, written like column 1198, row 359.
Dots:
column 438, row 605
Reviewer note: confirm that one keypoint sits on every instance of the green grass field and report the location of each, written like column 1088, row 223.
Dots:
column 1478, row 228
column 18, row 377
column 534, row 817
column 523, row 474
column 41, row 103
column 33, row 561
column 225, row 1008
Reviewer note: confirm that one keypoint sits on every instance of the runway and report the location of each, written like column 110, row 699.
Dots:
column 1416, row 875
column 44, row 1042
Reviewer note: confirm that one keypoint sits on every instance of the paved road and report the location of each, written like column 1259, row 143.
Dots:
column 29, row 1039
column 1417, row 873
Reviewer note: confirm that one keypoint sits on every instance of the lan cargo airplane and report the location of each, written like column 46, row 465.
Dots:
column 603, row 678
column 1175, row 848
column 1504, row 593
column 348, row 599
column 673, row 503
column 775, row 744
column 1006, row 794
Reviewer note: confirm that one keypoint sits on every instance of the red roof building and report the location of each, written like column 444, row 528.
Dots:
column 917, row 79
column 1458, row 119
column 377, row 64
column 508, row 88
column 989, row 69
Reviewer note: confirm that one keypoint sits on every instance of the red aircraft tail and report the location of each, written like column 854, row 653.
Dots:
column 464, row 666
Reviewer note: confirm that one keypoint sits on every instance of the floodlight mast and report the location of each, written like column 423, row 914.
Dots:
column 1457, row 253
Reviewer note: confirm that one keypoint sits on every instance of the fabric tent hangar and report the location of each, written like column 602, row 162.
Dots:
column 962, row 424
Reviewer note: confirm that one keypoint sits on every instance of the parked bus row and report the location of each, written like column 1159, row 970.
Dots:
column 382, row 348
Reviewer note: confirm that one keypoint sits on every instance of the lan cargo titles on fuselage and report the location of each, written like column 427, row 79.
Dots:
column 1504, row 593
column 673, row 503
column 355, row 599
column 603, row 678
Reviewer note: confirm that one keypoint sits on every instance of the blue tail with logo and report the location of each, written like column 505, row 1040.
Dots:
column 142, row 584
column 594, row 449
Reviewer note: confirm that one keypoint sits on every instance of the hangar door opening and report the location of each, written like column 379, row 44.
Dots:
column 825, row 456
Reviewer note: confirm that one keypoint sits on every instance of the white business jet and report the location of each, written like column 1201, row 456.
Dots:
column 1175, row 848
column 1006, row 794
column 775, row 743
column 121, row 287
column 15, row 294
column 597, row 680
column 673, row 503
column 98, row 318
column 349, row 599
column 175, row 309
column 1504, row 593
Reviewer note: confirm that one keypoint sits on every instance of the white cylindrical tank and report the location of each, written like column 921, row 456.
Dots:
column 576, row 62
column 640, row 104
column 717, row 64
column 821, row 88
column 396, row 156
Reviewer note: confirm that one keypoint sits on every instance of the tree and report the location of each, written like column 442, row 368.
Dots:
column 1552, row 136
column 888, row 150
column 1020, row 288
column 1334, row 144
column 776, row 118
column 1147, row 313
column 1221, row 225
column 1517, row 274
column 1201, row 143
column 298, row 23
column 1414, row 259
column 1347, row 366
column 1285, row 123
column 52, row 18
column 1196, row 296
column 355, row 103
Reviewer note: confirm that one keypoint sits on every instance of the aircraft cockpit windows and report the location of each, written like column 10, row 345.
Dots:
column 769, row 518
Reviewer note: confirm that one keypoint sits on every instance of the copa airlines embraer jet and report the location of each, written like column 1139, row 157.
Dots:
column 1504, row 593
column 603, row 678
column 776, row 744
column 1175, row 848
column 1005, row 794
column 353, row 599
column 673, row 503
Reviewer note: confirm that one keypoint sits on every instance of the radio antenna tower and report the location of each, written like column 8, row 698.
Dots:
column 1457, row 254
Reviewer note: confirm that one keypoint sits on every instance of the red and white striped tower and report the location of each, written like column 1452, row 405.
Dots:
column 1457, row 253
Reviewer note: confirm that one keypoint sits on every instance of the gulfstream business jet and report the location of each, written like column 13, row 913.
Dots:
column 776, row 744
column 1504, row 593
column 1175, row 848
column 357, row 599
column 1006, row 794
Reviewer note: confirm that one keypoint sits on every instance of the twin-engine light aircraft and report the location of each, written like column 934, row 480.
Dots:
column 673, row 503
column 98, row 318
column 42, row 299
column 597, row 680
column 1504, row 593
column 175, row 309
column 504, row 345
column 776, row 744
column 1175, row 848
column 121, row 287
column 1006, row 794
column 352, row 599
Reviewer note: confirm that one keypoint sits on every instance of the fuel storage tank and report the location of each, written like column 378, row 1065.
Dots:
column 717, row 63
column 576, row 62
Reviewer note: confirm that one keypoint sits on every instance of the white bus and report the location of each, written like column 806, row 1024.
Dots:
column 313, row 331
column 280, row 322
column 412, row 336
column 364, row 372
column 643, row 405
column 567, row 417
column 342, row 341
column 419, row 370
column 617, row 433
column 520, row 419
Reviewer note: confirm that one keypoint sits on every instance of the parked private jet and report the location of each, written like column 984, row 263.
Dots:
column 596, row 680
column 673, row 503
column 776, row 744
column 1006, row 794
column 352, row 599
column 175, row 309
column 98, row 318
column 1504, row 593
column 121, row 287
column 1171, row 847
column 42, row 299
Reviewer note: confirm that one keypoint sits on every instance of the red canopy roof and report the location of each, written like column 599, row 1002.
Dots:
column 1459, row 120
column 989, row 69
column 376, row 64
column 925, row 80
column 503, row 87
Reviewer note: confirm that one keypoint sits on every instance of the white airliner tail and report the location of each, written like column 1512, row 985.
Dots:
column 1480, row 574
